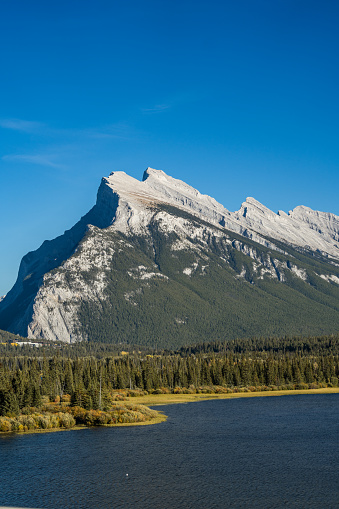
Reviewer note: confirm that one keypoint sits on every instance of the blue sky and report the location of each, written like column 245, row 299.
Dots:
column 237, row 98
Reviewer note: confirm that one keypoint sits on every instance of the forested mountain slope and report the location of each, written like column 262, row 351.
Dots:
column 157, row 263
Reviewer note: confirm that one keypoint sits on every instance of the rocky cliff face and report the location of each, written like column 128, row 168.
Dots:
column 160, row 237
column 302, row 227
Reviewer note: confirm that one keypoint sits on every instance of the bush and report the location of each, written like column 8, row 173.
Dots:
column 66, row 420
column 27, row 422
column 301, row 386
column 118, row 396
column 120, row 413
column 41, row 421
column 5, row 424
column 133, row 393
column 79, row 414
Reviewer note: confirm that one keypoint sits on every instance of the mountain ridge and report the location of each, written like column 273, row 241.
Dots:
column 165, row 229
column 323, row 234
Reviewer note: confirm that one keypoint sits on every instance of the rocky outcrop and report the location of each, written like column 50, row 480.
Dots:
column 302, row 227
column 76, row 267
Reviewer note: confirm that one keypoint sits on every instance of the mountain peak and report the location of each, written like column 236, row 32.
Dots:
column 258, row 205
column 253, row 210
column 130, row 246
column 302, row 226
column 152, row 171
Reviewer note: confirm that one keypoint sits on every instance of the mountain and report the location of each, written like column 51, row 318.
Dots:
column 155, row 262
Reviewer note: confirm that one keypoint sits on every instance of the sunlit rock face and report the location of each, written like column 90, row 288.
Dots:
column 302, row 227
column 160, row 234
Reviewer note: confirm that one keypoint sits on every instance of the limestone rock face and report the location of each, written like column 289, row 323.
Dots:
column 302, row 227
column 132, row 221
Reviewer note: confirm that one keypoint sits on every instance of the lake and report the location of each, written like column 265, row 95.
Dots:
column 268, row 452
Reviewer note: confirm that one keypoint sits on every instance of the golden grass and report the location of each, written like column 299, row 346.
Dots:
column 167, row 399
column 156, row 420
column 40, row 430
column 122, row 412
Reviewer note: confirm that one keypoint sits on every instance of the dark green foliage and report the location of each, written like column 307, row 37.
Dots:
column 8, row 336
column 9, row 404
column 223, row 297
column 88, row 381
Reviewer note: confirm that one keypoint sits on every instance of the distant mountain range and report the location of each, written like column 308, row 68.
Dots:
column 155, row 262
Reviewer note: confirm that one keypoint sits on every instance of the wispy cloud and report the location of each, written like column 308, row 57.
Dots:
column 158, row 108
column 18, row 124
column 118, row 130
column 121, row 131
column 170, row 102
column 59, row 148
column 40, row 159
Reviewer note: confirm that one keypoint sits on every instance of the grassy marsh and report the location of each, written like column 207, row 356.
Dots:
column 167, row 399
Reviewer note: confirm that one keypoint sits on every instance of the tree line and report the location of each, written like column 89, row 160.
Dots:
column 89, row 381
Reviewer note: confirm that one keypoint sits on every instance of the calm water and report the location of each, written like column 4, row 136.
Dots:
column 262, row 452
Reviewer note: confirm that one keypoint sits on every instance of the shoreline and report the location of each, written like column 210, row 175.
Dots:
column 171, row 399
column 153, row 400
column 161, row 417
